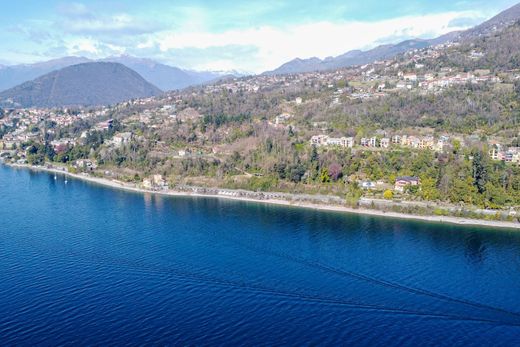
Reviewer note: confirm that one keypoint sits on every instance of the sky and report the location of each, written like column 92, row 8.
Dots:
column 224, row 35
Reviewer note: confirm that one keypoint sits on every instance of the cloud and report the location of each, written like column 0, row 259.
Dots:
column 214, row 58
column 276, row 45
column 74, row 10
column 33, row 32
column 252, row 37
column 78, row 19
column 465, row 22
column 120, row 24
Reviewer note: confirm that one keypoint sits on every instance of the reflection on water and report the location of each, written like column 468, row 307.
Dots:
column 475, row 248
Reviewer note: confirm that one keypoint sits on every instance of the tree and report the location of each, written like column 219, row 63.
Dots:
column 429, row 189
column 388, row 194
column 480, row 174
column 280, row 169
column 314, row 154
column 353, row 195
column 296, row 172
column 324, row 176
column 456, row 146
column 335, row 171
column 496, row 197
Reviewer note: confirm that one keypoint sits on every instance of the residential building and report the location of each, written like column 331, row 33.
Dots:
column 426, row 143
column 396, row 139
column 121, row 139
column 404, row 181
column 319, row 140
column 324, row 140
column 85, row 164
column 106, row 125
column 368, row 185
column 410, row 77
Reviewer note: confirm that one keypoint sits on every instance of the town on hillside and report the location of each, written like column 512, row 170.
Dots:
column 438, row 125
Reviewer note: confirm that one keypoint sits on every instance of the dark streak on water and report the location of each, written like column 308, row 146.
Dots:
column 86, row 265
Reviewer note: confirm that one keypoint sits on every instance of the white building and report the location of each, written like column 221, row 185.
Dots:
column 121, row 139
column 324, row 140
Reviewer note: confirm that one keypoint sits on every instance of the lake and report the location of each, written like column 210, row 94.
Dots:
column 82, row 264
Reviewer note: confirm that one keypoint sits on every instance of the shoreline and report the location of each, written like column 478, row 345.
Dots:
column 331, row 208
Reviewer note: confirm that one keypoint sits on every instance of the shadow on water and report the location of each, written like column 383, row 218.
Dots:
column 475, row 248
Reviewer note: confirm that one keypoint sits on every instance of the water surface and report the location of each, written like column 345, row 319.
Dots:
column 82, row 264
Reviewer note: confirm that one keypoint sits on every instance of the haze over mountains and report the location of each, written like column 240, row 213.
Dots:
column 163, row 76
column 351, row 58
column 357, row 57
column 86, row 84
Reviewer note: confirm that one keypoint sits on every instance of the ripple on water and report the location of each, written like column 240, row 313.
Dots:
column 86, row 265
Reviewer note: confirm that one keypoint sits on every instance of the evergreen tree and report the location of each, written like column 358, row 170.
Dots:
column 480, row 174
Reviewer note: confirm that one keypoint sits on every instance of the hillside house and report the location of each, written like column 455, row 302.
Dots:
column 121, row 139
column 385, row 142
column 155, row 182
column 104, row 126
column 324, row 140
column 368, row 185
column 404, row 181
column 369, row 142
column 85, row 164
column 396, row 139
column 319, row 140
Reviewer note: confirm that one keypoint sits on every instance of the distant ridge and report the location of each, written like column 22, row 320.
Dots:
column 498, row 22
column 351, row 58
column 14, row 75
column 163, row 76
column 357, row 57
column 85, row 84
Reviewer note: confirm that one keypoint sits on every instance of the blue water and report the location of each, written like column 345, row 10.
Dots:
column 87, row 265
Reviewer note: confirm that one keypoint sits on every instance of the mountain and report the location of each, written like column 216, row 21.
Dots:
column 11, row 76
column 298, row 65
column 350, row 58
column 163, row 76
column 357, row 57
column 87, row 84
column 497, row 23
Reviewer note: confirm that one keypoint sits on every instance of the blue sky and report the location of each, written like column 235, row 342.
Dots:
column 251, row 36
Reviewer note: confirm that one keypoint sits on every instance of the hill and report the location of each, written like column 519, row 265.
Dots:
column 84, row 84
column 495, row 24
column 163, row 76
column 14, row 75
column 499, row 51
column 357, row 57
column 351, row 58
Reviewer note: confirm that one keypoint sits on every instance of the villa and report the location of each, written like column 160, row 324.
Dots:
column 404, row 181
